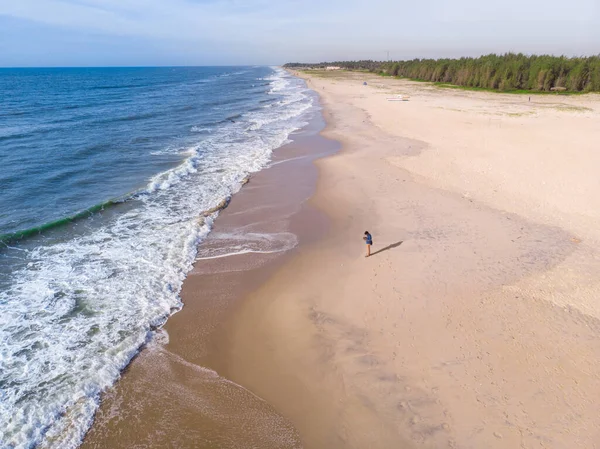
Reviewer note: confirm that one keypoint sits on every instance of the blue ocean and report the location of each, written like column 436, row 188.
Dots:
column 109, row 179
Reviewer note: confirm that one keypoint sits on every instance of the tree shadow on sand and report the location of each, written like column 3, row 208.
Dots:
column 392, row 246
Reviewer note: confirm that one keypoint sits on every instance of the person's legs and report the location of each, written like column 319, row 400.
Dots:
column 368, row 250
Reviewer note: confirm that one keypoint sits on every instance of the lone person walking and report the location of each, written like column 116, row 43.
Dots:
column 368, row 238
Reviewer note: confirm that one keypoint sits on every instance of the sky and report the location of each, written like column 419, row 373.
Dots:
column 242, row 32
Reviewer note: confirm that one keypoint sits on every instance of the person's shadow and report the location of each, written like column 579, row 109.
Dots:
column 392, row 246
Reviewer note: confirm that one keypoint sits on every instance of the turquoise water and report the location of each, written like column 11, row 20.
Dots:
column 104, row 177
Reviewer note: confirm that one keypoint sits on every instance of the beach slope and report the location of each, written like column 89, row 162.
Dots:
column 475, row 321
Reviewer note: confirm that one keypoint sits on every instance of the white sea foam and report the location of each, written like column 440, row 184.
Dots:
column 283, row 161
column 172, row 151
column 278, row 83
column 201, row 129
column 228, row 74
column 234, row 244
column 79, row 310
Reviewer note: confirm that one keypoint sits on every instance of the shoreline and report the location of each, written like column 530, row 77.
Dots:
column 172, row 383
column 470, row 326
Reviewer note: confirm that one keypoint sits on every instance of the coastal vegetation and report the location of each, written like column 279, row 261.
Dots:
column 508, row 72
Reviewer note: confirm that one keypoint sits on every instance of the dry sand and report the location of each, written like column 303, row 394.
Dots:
column 475, row 322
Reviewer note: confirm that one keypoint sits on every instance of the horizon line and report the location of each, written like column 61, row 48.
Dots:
column 134, row 66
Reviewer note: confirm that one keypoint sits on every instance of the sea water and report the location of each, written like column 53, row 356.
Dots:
column 106, row 177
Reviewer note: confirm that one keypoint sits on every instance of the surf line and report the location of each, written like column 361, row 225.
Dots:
column 222, row 204
column 239, row 253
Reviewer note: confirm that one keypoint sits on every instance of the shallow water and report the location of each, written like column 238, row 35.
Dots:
column 105, row 177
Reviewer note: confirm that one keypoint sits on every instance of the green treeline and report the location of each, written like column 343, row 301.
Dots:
column 499, row 72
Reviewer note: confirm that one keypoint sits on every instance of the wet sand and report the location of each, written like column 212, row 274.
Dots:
column 171, row 395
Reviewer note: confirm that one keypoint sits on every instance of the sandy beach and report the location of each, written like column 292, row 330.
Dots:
column 474, row 323
column 171, row 395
